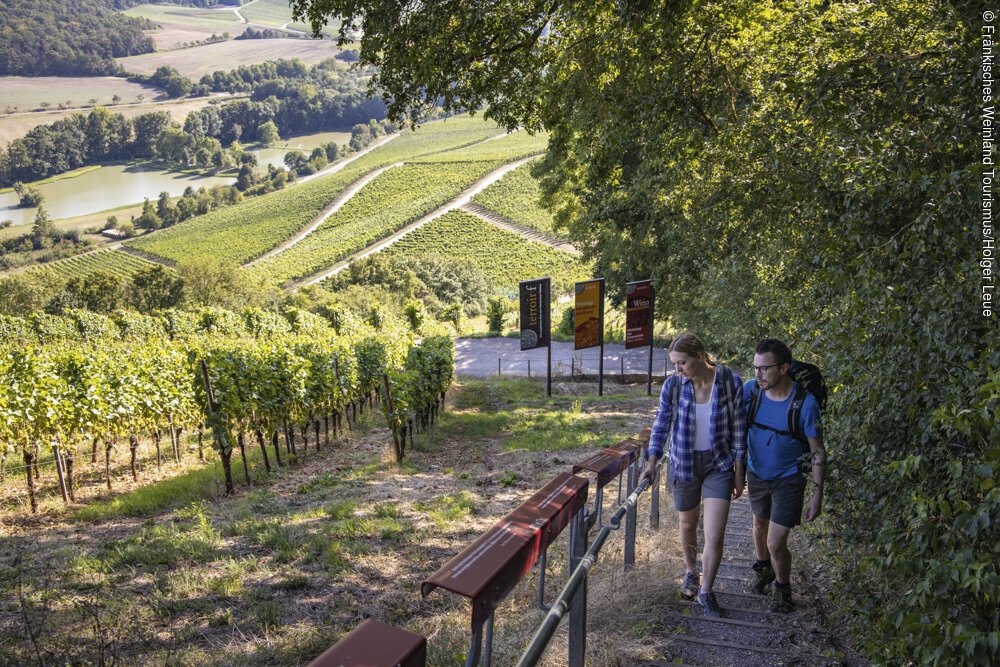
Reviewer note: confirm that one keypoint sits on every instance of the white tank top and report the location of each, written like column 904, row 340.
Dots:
column 703, row 423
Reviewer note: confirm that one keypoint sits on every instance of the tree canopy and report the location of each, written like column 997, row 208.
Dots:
column 797, row 169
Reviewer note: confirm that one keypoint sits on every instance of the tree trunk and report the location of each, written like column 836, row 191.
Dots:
column 201, row 441
column 227, row 468
column 109, row 444
column 263, row 450
column 290, row 442
column 277, row 450
column 156, row 439
column 304, row 430
column 38, row 474
column 326, row 428
column 93, row 451
column 180, row 450
column 68, row 460
column 133, row 445
column 316, row 429
column 3, row 467
column 29, row 462
column 241, row 441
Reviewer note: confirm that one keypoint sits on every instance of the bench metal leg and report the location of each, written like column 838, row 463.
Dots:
column 578, row 606
column 541, row 581
column 654, row 503
column 630, row 520
column 488, row 653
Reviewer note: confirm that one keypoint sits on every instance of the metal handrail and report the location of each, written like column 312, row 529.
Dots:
column 562, row 604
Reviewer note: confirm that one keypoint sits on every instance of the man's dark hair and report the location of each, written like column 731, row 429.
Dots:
column 781, row 353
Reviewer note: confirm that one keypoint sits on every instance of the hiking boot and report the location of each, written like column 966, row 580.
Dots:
column 760, row 579
column 689, row 589
column 781, row 599
column 708, row 604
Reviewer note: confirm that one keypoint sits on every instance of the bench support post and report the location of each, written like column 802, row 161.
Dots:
column 578, row 606
column 631, row 518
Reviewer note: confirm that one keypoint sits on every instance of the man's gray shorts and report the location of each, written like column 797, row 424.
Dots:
column 707, row 483
column 779, row 500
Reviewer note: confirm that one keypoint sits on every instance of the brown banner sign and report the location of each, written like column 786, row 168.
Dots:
column 638, row 314
column 489, row 568
column 534, row 313
column 588, row 314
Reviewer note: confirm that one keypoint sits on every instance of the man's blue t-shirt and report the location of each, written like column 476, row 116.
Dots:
column 772, row 455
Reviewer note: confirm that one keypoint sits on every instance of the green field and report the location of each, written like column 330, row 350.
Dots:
column 504, row 257
column 215, row 19
column 391, row 201
column 245, row 231
column 516, row 196
column 115, row 262
column 200, row 60
column 277, row 13
column 507, row 148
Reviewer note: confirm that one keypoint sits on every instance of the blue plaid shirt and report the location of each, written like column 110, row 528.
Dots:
column 728, row 429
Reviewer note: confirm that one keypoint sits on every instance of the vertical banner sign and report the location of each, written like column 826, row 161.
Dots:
column 588, row 315
column 534, row 313
column 638, row 314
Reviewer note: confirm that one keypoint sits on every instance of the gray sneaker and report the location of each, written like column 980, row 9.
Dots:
column 708, row 604
column 781, row 600
column 689, row 589
column 760, row 578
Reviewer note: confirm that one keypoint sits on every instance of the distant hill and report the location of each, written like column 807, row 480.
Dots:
column 67, row 37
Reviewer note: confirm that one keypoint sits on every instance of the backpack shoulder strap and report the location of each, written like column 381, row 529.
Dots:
column 795, row 415
column 754, row 402
column 675, row 391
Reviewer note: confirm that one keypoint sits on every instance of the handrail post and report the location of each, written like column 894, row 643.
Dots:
column 578, row 606
column 630, row 517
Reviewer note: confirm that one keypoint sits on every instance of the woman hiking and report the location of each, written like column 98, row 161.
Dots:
column 701, row 409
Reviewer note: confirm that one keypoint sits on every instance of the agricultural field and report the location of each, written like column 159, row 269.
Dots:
column 516, row 196
column 116, row 262
column 17, row 125
column 506, row 148
column 391, row 201
column 277, row 13
column 249, row 229
column 201, row 60
column 216, row 20
column 504, row 257
column 26, row 93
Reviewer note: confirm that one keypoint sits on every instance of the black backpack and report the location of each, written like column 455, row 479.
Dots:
column 808, row 380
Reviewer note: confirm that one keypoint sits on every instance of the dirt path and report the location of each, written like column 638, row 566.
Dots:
column 458, row 202
column 748, row 634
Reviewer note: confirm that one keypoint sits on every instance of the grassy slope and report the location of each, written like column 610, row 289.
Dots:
column 506, row 258
column 115, row 262
column 240, row 233
column 516, row 196
column 391, row 201
column 24, row 93
column 277, row 573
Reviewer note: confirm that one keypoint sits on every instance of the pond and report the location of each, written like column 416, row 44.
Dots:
column 118, row 185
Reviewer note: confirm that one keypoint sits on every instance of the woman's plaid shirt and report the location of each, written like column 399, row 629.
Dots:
column 728, row 430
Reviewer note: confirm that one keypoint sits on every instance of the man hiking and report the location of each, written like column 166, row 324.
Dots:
column 783, row 430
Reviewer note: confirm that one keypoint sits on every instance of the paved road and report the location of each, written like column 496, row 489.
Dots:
column 479, row 357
